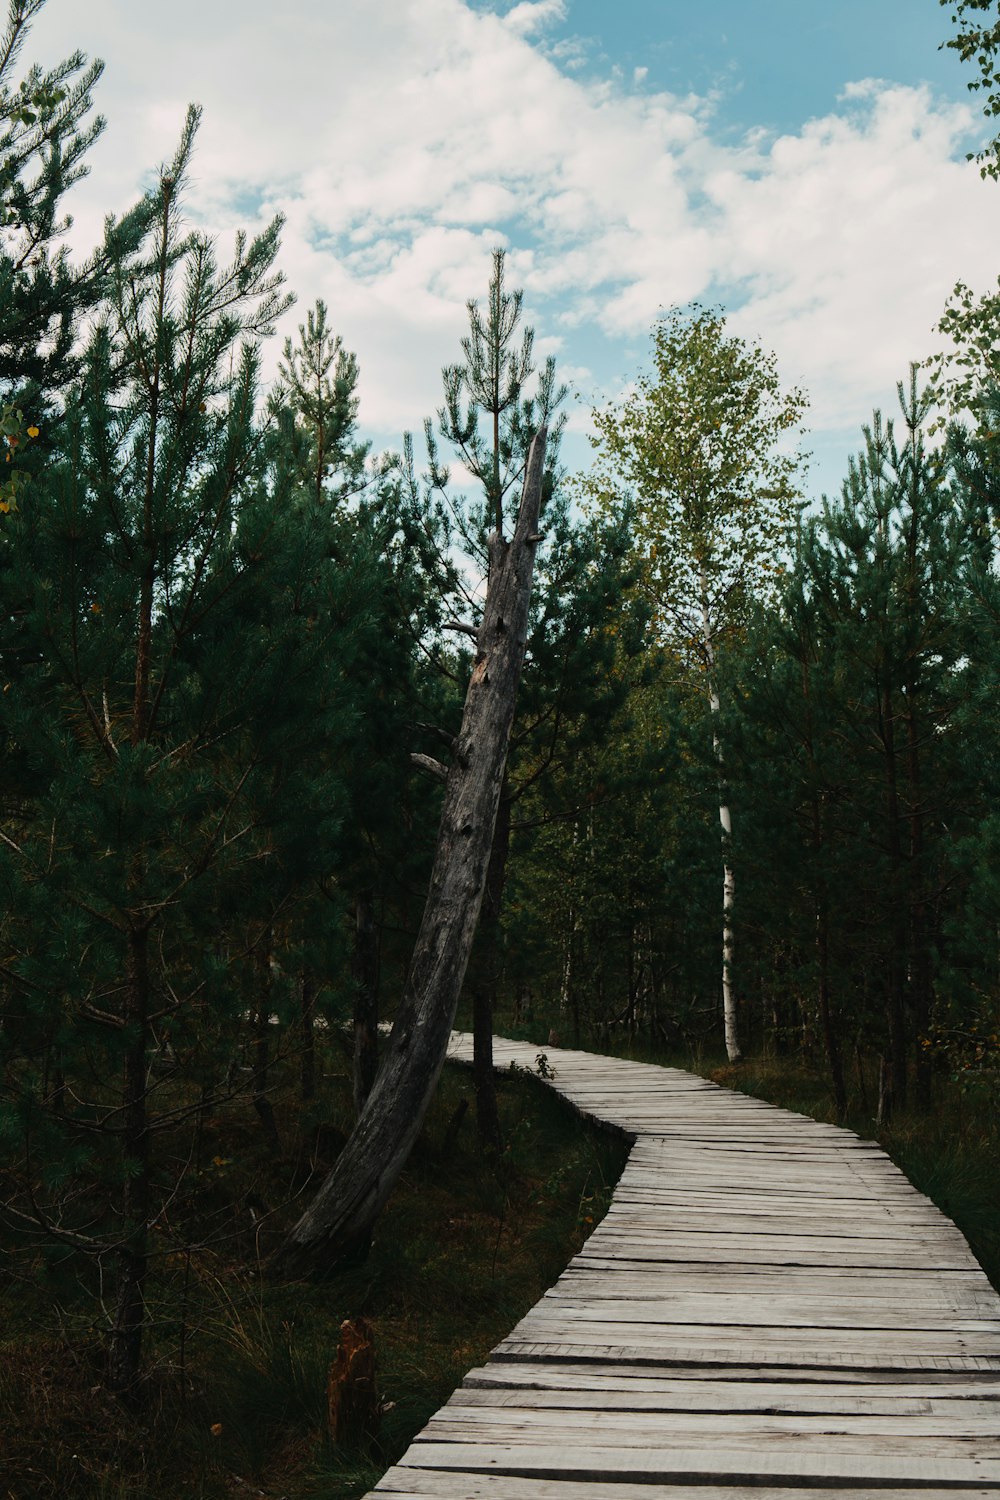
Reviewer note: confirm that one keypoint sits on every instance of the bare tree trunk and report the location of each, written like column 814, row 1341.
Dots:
column 125, row 1340
column 366, row 965
column 733, row 1051
column 487, row 980
column 260, row 1080
column 894, row 1090
column 830, row 1040
column 921, row 979
column 337, row 1227
column 307, row 1020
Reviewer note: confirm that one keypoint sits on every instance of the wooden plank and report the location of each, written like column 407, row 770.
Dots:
column 748, row 1362
column 735, row 1312
column 406, row 1483
column 594, row 1322
column 655, row 1464
column 703, row 1383
column 728, row 1397
column 639, row 1425
column 919, row 1288
column 722, row 1272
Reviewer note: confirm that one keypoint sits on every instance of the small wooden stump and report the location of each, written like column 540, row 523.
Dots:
column 353, row 1403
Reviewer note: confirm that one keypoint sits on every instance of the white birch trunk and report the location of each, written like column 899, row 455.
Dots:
column 725, row 818
column 565, row 989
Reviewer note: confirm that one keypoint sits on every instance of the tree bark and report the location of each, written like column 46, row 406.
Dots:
column 895, row 1085
column 307, row 1019
column 487, row 980
column 921, row 976
column 733, row 1051
column 263, row 1107
column 366, row 963
column 337, row 1227
column 125, row 1339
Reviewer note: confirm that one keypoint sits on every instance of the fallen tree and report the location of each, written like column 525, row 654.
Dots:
column 336, row 1228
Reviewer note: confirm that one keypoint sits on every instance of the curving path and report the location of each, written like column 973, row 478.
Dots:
column 768, row 1310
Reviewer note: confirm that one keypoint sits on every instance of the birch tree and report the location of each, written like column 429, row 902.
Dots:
column 703, row 442
column 977, row 41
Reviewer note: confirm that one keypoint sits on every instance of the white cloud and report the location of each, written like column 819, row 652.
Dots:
column 404, row 138
column 534, row 15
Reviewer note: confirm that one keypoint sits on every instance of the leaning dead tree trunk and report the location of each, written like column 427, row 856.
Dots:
column 336, row 1229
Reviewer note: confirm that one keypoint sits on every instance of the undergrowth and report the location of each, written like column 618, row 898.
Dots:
column 236, row 1395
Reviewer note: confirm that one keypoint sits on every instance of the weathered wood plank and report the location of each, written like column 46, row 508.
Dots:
column 746, row 1312
column 746, row 1355
column 717, row 1387
column 728, row 1398
column 405, row 1483
column 507, row 1422
column 655, row 1464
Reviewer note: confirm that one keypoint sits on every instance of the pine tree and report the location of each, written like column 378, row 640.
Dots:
column 179, row 678
column 45, row 135
column 367, row 528
column 568, row 694
column 845, row 762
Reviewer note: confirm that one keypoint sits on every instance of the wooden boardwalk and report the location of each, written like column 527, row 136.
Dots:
column 768, row 1310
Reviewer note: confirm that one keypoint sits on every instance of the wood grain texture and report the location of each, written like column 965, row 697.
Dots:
column 769, row 1310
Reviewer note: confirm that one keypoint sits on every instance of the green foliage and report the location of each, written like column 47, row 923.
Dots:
column 318, row 380
column 703, row 444
column 493, row 380
column 45, row 135
column 964, row 374
column 977, row 40
column 180, row 746
column 14, row 431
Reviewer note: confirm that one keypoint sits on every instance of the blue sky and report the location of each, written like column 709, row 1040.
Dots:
column 774, row 63
column 800, row 162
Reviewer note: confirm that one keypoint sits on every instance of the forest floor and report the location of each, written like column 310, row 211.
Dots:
column 237, row 1402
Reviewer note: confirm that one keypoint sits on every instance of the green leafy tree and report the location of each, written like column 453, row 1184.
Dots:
column 367, row 526
column 963, row 374
column 703, row 445
column 977, row 40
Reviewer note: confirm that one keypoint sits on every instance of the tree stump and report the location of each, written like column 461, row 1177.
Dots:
column 352, row 1397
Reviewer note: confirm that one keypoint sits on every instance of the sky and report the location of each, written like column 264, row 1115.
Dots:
column 798, row 163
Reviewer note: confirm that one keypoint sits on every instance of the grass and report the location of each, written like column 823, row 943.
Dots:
column 237, row 1391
